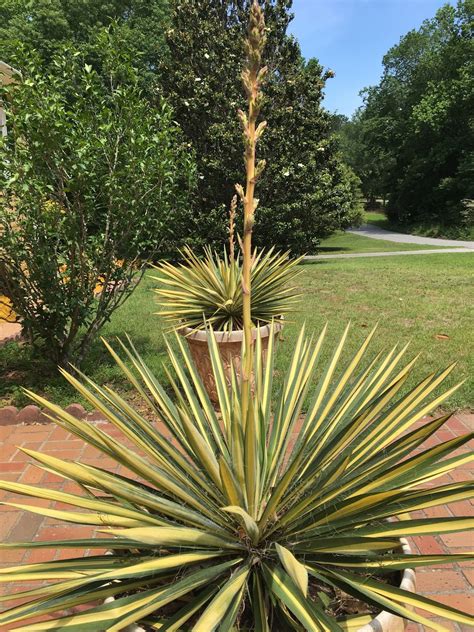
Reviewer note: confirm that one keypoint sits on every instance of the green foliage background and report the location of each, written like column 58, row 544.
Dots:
column 413, row 140
column 190, row 51
column 306, row 191
column 90, row 175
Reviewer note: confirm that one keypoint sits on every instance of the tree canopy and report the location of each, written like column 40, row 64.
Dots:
column 44, row 25
column 305, row 191
column 190, row 52
column 413, row 140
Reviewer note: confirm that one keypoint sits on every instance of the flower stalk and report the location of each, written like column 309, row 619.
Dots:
column 252, row 77
column 232, row 213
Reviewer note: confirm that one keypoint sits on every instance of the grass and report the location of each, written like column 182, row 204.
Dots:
column 427, row 300
column 378, row 218
column 347, row 243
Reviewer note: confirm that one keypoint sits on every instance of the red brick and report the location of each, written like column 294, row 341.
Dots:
column 72, row 488
column 64, row 532
column 469, row 575
column 428, row 545
column 462, row 475
column 461, row 601
column 7, row 523
column 59, row 434
column 461, row 508
column 442, row 581
column 461, row 424
column 49, row 477
column 7, row 452
column 65, row 445
column 14, row 466
column 32, row 474
column 465, row 539
column 69, row 554
column 10, row 476
column 441, row 511
column 27, row 527
column 35, row 556
column 448, row 625
column 104, row 462
column 19, row 438
column 12, row 556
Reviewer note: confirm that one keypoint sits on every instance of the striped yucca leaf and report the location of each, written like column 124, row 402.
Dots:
column 208, row 291
column 233, row 526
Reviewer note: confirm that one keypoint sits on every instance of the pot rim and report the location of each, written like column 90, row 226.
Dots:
column 201, row 335
column 386, row 621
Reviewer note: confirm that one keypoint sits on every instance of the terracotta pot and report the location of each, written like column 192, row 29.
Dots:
column 383, row 622
column 386, row 621
column 230, row 347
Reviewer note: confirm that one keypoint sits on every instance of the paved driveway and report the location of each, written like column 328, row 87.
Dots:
column 369, row 230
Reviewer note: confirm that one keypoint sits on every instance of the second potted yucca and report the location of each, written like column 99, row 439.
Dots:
column 207, row 292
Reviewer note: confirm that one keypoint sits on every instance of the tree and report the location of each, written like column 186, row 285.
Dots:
column 419, row 122
column 46, row 25
column 94, row 183
column 305, row 192
column 362, row 143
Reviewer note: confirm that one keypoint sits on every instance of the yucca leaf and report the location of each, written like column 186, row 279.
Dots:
column 295, row 569
column 308, row 614
column 217, row 609
column 259, row 605
column 66, row 596
column 249, row 523
column 175, row 537
column 326, row 500
column 89, row 518
column 399, row 598
column 388, row 562
column 415, row 527
column 174, row 623
column 129, row 609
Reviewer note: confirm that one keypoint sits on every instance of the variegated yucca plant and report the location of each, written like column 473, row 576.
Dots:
column 254, row 517
column 246, row 526
column 208, row 291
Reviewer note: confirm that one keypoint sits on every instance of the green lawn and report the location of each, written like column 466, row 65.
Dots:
column 346, row 243
column 427, row 300
column 378, row 219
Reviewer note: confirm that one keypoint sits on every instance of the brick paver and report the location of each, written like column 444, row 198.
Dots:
column 451, row 584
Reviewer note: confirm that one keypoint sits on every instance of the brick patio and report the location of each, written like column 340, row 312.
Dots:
column 448, row 584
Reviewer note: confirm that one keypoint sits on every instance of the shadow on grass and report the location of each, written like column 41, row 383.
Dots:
column 323, row 249
column 312, row 262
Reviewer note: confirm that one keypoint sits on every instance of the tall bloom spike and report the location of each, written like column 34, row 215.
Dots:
column 252, row 77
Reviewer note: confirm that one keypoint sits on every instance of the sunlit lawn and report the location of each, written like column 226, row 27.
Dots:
column 427, row 300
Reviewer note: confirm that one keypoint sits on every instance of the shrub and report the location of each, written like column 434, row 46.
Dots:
column 94, row 183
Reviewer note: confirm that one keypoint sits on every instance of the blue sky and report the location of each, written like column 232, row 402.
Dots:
column 351, row 37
